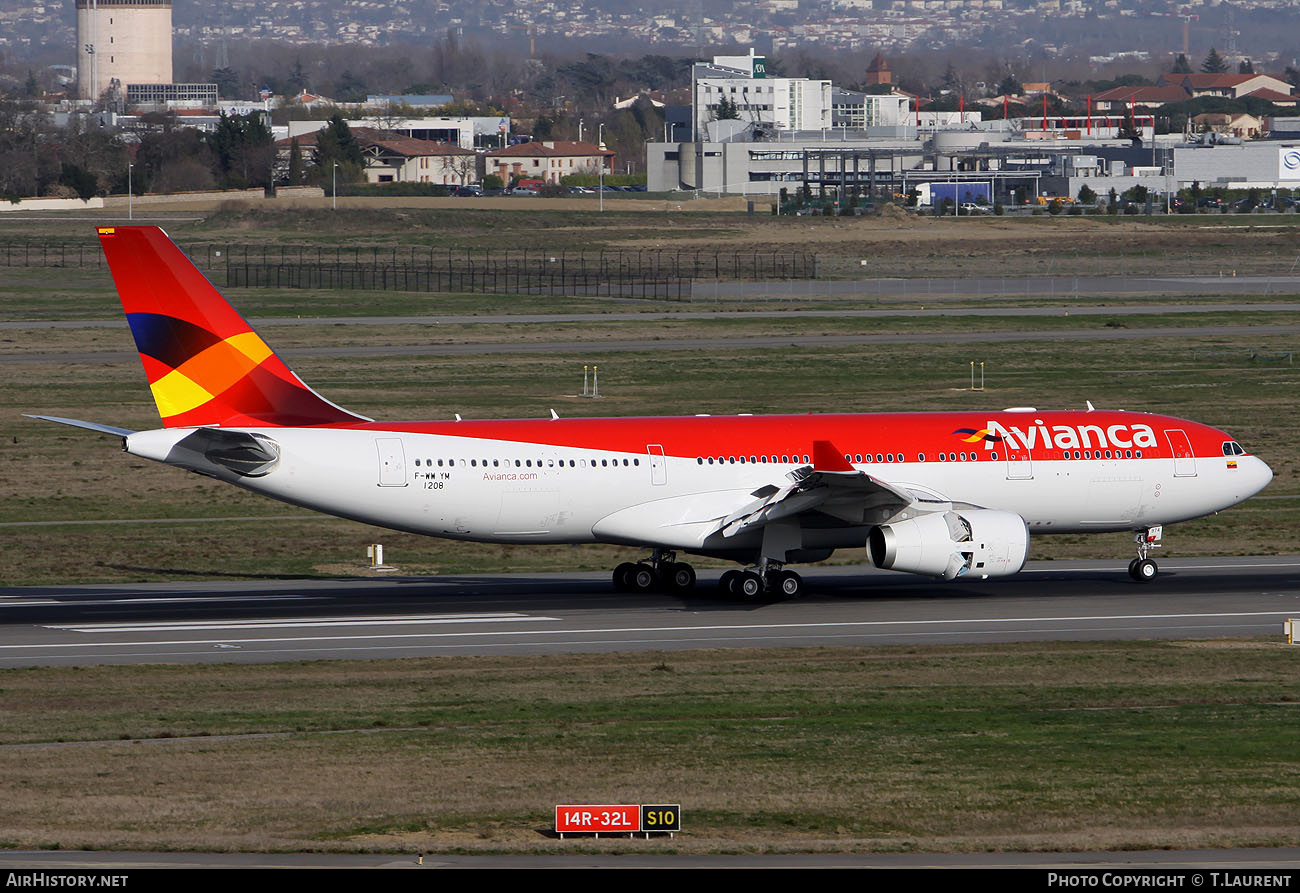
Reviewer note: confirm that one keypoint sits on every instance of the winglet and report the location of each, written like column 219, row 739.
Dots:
column 204, row 362
column 826, row 458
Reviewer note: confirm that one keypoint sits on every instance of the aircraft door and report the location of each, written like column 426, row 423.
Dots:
column 1181, row 449
column 392, row 462
column 1020, row 465
column 658, row 465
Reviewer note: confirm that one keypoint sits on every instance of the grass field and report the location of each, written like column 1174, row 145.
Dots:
column 1064, row 746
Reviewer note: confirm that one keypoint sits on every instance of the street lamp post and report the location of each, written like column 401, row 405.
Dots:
column 335, row 188
column 600, row 138
column 130, row 200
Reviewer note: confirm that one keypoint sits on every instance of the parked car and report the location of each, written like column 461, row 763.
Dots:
column 467, row 191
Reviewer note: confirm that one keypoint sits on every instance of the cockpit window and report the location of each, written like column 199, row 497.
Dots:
column 1232, row 448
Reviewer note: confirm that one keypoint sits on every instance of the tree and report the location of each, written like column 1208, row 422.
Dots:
column 295, row 163
column 1214, row 63
column 244, row 151
column 1086, row 195
column 1137, row 194
column 1245, row 67
column 727, row 110
column 1010, row 86
column 173, row 160
column 80, row 180
column 297, row 80
column 1181, row 65
column 952, row 81
column 227, row 81
column 335, row 144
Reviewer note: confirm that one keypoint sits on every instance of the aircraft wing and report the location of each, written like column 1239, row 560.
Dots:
column 830, row 486
column 854, row 497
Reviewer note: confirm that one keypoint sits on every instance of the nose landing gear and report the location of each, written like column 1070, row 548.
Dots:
column 1143, row 569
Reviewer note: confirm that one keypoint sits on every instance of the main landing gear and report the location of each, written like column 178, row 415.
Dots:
column 1143, row 569
column 768, row 581
column 661, row 571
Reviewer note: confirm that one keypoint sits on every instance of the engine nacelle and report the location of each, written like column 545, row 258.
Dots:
column 981, row 542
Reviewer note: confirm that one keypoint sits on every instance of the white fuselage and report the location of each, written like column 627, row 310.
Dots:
column 512, row 492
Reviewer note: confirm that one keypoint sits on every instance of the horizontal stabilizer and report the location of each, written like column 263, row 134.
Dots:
column 78, row 423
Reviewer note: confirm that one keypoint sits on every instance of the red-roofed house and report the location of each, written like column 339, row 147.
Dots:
column 1231, row 86
column 395, row 158
column 548, row 160
column 1274, row 97
column 1120, row 98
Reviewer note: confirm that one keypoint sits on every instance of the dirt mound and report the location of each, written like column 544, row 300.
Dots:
column 891, row 211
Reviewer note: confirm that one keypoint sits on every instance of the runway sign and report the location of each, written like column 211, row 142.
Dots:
column 623, row 819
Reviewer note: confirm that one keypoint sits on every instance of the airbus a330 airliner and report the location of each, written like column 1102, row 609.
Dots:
column 946, row 495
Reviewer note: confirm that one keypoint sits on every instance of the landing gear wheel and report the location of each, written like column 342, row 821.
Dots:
column 727, row 582
column 1132, row 568
column 680, row 577
column 643, row 578
column 789, row 584
column 623, row 576
column 1145, row 570
column 750, row 586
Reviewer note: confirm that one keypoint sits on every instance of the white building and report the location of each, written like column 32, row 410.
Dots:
column 122, row 42
column 741, row 83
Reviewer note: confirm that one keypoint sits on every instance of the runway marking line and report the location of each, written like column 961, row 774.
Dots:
column 291, row 623
column 652, row 629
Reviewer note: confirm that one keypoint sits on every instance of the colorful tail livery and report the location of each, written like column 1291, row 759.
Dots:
column 944, row 495
column 204, row 362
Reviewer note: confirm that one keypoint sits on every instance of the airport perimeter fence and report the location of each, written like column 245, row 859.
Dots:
column 663, row 274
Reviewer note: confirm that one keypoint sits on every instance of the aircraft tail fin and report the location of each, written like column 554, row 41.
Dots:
column 204, row 362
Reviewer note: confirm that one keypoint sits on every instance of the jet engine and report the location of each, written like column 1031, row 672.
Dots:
column 982, row 542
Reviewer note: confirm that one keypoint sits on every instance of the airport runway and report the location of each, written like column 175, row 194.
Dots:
column 497, row 319
column 600, row 345
column 560, row 613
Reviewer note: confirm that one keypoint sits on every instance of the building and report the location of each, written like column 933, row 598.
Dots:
column 122, row 42
column 855, row 110
column 878, row 71
column 548, row 160
column 1241, row 125
column 1121, row 98
column 204, row 95
column 396, row 158
column 1263, row 164
column 737, row 87
column 1229, row 86
column 467, row 133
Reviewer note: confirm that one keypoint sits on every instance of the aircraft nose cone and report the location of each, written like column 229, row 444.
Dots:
column 1265, row 475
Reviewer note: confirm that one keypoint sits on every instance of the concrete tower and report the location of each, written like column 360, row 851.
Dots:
column 122, row 42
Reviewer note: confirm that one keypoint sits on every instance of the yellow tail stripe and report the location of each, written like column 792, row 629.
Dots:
column 175, row 394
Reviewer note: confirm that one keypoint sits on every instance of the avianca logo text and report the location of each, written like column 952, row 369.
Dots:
column 1069, row 437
